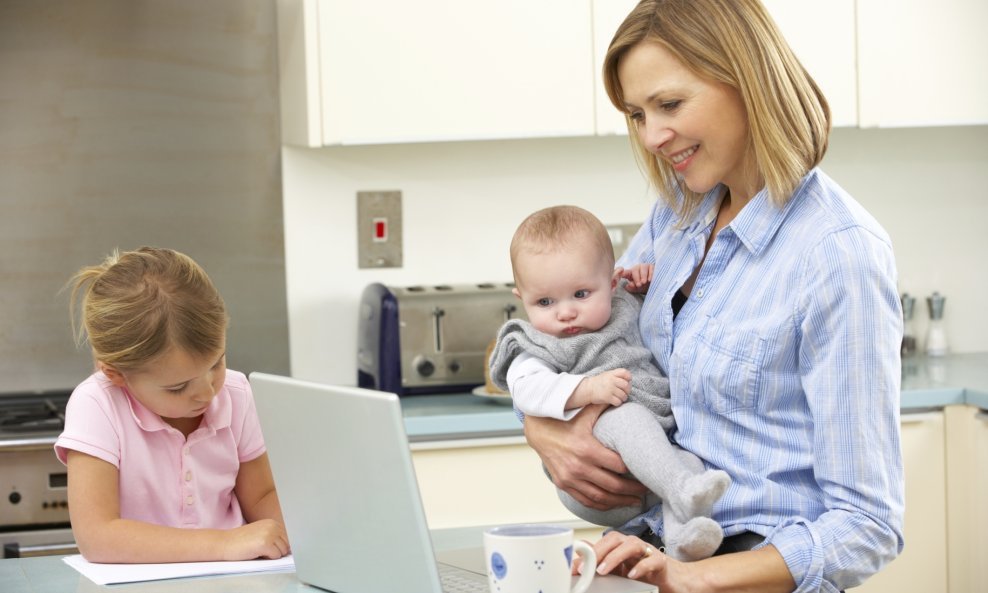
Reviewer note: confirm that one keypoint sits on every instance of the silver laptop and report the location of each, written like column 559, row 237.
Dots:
column 347, row 487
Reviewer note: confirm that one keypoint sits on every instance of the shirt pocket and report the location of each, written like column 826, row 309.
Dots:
column 726, row 369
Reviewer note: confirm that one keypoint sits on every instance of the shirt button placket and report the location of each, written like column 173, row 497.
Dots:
column 189, row 514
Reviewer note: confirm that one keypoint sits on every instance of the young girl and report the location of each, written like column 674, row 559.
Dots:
column 165, row 456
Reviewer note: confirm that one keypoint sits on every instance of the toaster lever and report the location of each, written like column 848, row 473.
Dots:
column 437, row 314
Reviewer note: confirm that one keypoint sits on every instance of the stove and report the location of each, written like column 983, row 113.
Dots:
column 34, row 507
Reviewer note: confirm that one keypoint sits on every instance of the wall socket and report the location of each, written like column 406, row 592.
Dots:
column 621, row 235
column 379, row 233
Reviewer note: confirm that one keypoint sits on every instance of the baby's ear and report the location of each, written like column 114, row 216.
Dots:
column 115, row 376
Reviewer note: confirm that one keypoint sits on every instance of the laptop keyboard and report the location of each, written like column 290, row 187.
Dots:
column 457, row 580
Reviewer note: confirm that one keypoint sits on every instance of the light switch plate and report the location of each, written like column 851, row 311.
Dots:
column 379, row 233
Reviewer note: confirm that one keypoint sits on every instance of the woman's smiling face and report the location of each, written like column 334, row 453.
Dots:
column 696, row 125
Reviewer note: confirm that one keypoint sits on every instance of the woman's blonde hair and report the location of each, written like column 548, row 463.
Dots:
column 557, row 227
column 734, row 42
column 137, row 304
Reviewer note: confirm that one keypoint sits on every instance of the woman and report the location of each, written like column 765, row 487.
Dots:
column 773, row 310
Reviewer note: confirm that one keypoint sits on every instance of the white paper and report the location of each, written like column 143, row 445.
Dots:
column 108, row 574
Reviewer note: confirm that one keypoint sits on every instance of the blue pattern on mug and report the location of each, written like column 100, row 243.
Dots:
column 569, row 556
column 498, row 565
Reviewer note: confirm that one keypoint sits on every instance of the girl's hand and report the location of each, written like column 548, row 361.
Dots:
column 579, row 463
column 265, row 538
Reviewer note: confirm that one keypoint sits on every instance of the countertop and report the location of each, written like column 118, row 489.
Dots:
column 50, row 574
column 927, row 383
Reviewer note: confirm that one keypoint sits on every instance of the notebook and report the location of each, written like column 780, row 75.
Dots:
column 347, row 486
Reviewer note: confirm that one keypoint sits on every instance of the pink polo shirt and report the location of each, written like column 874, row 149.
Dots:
column 165, row 478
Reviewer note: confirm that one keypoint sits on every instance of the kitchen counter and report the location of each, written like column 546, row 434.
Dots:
column 50, row 574
column 927, row 383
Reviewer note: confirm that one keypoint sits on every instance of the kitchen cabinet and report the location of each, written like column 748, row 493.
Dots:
column 485, row 482
column 922, row 566
column 434, row 70
column 395, row 71
column 922, row 62
column 967, row 518
column 824, row 44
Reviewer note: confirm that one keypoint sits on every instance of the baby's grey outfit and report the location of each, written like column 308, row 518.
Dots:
column 637, row 429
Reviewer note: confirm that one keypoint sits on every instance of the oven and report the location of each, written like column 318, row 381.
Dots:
column 34, row 506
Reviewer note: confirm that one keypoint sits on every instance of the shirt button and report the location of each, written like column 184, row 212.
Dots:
column 699, row 293
column 189, row 500
column 188, row 476
column 185, row 451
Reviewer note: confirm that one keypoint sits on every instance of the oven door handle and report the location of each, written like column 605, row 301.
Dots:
column 15, row 550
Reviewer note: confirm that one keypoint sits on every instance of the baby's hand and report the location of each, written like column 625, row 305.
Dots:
column 639, row 277
column 610, row 387
column 265, row 538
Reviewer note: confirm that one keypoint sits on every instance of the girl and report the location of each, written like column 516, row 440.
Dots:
column 164, row 451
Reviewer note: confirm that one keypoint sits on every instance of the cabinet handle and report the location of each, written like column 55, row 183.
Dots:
column 918, row 416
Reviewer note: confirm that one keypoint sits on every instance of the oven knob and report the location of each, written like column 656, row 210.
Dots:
column 424, row 367
column 14, row 498
column 454, row 366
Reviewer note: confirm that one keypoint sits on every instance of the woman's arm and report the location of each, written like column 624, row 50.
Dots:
column 761, row 570
column 579, row 464
column 102, row 536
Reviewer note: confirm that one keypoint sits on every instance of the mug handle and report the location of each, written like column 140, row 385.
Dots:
column 589, row 567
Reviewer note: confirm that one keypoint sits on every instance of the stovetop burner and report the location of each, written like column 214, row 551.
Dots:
column 42, row 413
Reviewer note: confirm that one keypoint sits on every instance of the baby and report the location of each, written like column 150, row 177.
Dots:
column 581, row 345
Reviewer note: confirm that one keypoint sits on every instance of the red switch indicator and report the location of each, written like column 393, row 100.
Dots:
column 380, row 230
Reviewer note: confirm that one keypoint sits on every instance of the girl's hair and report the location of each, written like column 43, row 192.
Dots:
column 138, row 304
column 734, row 42
column 557, row 227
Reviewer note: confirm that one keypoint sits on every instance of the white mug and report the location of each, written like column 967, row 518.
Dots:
column 527, row 558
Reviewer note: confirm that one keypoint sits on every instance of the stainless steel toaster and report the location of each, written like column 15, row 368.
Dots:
column 429, row 339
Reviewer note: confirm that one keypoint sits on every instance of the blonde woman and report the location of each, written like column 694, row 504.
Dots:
column 773, row 311
column 166, row 461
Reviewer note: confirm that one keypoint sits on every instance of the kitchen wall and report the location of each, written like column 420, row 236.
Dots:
column 462, row 201
column 130, row 122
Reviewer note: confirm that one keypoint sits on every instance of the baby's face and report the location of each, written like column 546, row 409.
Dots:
column 566, row 292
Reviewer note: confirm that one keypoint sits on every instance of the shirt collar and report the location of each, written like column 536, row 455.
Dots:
column 758, row 221
column 217, row 416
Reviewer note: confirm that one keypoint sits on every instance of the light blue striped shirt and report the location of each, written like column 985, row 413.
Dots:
column 785, row 372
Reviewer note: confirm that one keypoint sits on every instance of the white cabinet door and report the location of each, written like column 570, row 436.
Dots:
column 399, row 71
column 607, row 16
column 922, row 566
column 493, row 483
column 922, row 62
column 822, row 35
column 820, row 32
column 967, row 474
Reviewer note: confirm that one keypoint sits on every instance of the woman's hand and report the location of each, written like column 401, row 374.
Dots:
column 761, row 570
column 266, row 538
column 577, row 462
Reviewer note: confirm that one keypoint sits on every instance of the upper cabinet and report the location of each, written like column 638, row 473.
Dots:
column 822, row 35
column 394, row 71
column 397, row 71
column 922, row 62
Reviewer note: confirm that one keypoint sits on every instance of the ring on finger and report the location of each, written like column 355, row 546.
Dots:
column 648, row 551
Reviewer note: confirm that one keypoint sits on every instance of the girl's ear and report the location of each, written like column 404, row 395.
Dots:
column 115, row 376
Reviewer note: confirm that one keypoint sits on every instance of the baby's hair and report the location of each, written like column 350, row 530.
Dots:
column 136, row 305
column 558, row 227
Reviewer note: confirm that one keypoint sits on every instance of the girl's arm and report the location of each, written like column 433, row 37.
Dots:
column 255, row 491
column 102, row 536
